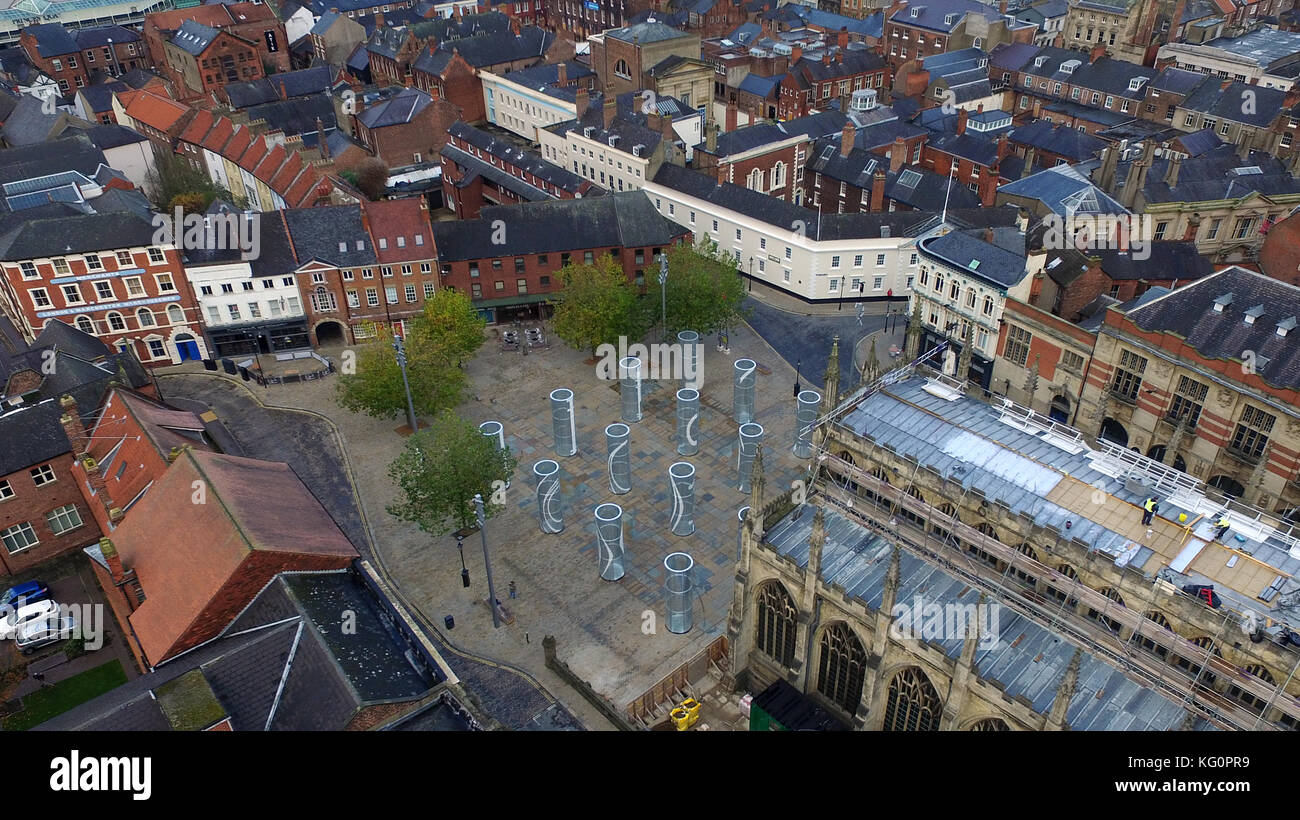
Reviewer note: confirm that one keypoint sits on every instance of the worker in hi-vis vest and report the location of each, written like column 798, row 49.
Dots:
column 1222, row 524
column 1149, row 509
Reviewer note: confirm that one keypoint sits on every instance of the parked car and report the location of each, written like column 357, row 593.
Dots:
column 25, row 614
column 35, row 634
column 28, row 593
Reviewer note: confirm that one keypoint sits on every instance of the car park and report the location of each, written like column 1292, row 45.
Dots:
column 25, row 593
column 35, row 634
column 15, row 619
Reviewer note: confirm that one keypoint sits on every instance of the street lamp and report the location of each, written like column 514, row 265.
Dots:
column 663, row 292
column 401, row 362
column 464, row 572
column 840, row 306
column 797, row 366
column 487, row 562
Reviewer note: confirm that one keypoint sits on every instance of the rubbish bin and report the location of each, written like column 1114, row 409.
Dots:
column 681, row 718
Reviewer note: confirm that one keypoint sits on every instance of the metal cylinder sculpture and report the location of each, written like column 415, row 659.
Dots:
column 740, row 531
column 620, row 468
column 742, row 396
column 629, row 373
column 805, row 418
column 682, row 478
column 679, row 586
column 566, row 433
column 750, row 436
column 496, row 431
column 549, row 514
column 692, row 352
column 688, row 422
column 609, row 541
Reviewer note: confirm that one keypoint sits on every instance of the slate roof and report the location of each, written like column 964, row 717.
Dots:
column 70, row 153
column 1189, row 314
column 512, row 154
column 645, row 33
column 44, row 238
column 1169, row 259
column 470, row 25
column 914, row 187
column 749, row 137
column 1177, row 80
column 1214, row 176
column 317, row 232
column 52, row 40
column 543, row 75
column 486, row 50
column 1226, row 103
column 32, row 436
column 762, row 87
column 1028, row 668
column 298, row 116
column 99, row 37
column 28, row 123
column 387, row 41
column 1198, row 143
column 997, row 266
column 396, row 110
column 284, row 665
column 625, row 219
column 1070, row 143
column 288, row 84
column 931, row 15
column 1064, row 190
column 629, row 124
column 193, row 37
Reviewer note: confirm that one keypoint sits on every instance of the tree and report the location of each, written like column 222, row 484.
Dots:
column 372, row 177
column 437, row 341
column 174, row 181
column 704, row 291
column 440, row 470
column 596, row 305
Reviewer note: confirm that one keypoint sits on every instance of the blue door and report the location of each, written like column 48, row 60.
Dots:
column 189, row 350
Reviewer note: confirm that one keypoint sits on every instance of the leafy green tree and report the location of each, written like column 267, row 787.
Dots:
column 704, row 291
column 437, row 342
column 440, row 470
column 596, row 304
column 174, row 181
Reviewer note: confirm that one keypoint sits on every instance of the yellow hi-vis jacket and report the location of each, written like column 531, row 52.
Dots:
column 1222, row 522
column 1150, row 505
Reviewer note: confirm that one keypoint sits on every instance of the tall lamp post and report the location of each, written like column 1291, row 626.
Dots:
column 487, row 562
column 400, row 349
column 663, row 292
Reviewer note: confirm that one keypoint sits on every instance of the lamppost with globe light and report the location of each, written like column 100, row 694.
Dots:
column 400, row 349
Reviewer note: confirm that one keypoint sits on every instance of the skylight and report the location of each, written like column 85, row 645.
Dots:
column 909, row 179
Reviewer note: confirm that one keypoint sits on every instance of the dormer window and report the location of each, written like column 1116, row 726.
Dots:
column 1286, row 326
column 1253, row 314
column 1038, row 61
column 1069, row 66
column 1136, row 83
column 916, row 12
column 1221, row 303
column 949, row 19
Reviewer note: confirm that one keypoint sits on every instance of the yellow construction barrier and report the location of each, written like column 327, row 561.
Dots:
column 692, row 707
column 681, row 718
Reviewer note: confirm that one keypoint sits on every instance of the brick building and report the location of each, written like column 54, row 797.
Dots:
column 811, row 85
column 205, row 59
column 69, row 57
column 252, row 22
column 407, row 128
column 103, row 274
column 622, row 56
column 480, row 170
column 510, row 279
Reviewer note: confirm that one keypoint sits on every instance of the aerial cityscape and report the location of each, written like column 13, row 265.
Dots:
column 650, row 365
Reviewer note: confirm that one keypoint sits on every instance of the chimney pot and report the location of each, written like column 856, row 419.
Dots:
column 847, row 135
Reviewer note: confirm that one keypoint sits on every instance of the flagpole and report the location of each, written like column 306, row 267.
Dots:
column 947, row 193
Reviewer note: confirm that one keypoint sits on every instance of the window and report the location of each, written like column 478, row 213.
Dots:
column 372, row 297
column 912, row 705
column 41, row 475
column 247, row 285
column 776, row 624
column 40, row 298
column 409, row 293
column 835, row 286
column 835, row 262
column 988, row 306
column 428, row 290
column 93, row 263
column 1189, row 396
column 1018, row 340
column 63, row 519
column 157, row 349
column 19, row 537
column 156, row 256
column 5, row 490
column 1214, row 229
column 72, row 294
column 234, row 312
column 214, row 315
column 254, row 310
column 165, row 283
column 144, row 316
column 1251, row 436
column 1071, row 361
column 390, row 293
column 29, row 270
column 841, row 667
column 85, row 325
column 1243, row 227
column 1128, row 377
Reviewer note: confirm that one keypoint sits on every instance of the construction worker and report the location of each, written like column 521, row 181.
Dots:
column 1149, row 509
column 1222, row 525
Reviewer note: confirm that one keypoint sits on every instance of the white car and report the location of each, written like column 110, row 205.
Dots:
column 35, row 634
column 17, row 618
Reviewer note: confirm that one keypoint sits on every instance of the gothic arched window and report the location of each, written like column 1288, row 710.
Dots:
column 841, row 668
column 776, row 623
column 990, row 725
column 913, row 704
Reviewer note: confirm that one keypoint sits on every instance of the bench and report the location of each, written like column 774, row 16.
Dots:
column 762, row 371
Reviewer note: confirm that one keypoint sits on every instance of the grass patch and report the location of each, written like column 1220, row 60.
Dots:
column 50, row 701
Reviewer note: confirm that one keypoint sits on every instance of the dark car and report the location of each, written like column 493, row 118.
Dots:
column 28, row 593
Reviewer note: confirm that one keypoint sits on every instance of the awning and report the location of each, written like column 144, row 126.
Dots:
column 512, row 301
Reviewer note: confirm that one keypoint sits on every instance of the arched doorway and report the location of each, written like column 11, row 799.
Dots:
column 1227, row 485
column 187, row 347
column 330, row 333
column 1158, row 453
column 1112, row 430
column 1059, row 409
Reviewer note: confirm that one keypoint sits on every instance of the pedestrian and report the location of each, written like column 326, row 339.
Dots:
column 513, row 590
column 1150, row 508
column 1222, row 525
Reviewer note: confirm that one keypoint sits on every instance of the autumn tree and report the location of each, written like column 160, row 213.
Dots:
column 372, row 177
column 442, row 468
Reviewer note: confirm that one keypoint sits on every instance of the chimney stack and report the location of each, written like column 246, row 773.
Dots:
column 878, row 192
column 1038, row 108
column 988, row 235
column 72, row 426
column 1171, row 173
column 321, row 139
column 1002, row 7
column 1029, row 162
column 1193, row 226
column 897, row 155
column 1004, row 147
column 843, row 39
column 113, row 560
column 611, row 106
column 580, row 101
column 847, row 136
column 732, row 115
column 962, row 116
column 379, row 19
column 826, row 57
column 561, row 74
column 711, row 138
column 796, row 54
column 1137, row 176
column 1109, row 159
column 284, row 92
column 1243, row 150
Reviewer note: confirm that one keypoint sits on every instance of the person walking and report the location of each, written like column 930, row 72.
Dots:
column 1149, row 509
column 1222, row 525
column 514, row 592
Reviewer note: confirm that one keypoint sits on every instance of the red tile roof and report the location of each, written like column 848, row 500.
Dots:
column 154, row 110
column 199, row 127
column 187, row 555
column 398, row 222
